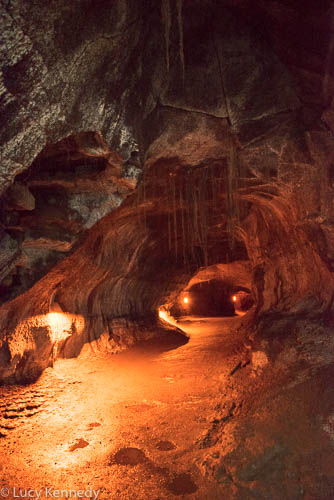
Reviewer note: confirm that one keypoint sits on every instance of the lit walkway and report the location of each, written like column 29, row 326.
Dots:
column 71, row 429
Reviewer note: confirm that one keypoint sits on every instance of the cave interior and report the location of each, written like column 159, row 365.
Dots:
column 167, row 249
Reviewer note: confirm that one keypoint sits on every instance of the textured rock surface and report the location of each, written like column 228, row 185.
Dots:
column 277, row 439
column 74, row 183
column 64, row 76
column 115, row 280
column 18, row 197
column 8, row 252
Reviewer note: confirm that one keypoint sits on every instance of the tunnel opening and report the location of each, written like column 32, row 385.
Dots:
column 213, row 298
column 220, row 290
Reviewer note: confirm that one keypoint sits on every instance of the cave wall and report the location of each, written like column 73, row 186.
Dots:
column 111, row 286
column 68, row 74
column 247, row 105
column 47, row 211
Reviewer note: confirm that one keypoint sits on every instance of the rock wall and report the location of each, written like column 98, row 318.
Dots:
column 51, row 205
column 63, row 71
column 114, row 282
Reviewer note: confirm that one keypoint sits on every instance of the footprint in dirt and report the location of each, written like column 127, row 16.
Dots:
column 165, row 446
column 129, row 456
column 92, row 425
column 135, row 456
column 80, row 443
column 182, row 484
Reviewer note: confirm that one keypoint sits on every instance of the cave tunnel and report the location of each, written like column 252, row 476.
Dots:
column 209, row 298
column 167, row 249
column 214, row 298
column 220, row 290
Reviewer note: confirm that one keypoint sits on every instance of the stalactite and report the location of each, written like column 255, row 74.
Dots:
column 182, row 224
column 195, row 202
column 166, row 16
column 169, row 231
column 329, row 59
column 194, row 214
column 203, row 197
column 169, row 216
column 213, row 189
column 190, row 232
column 180, row 26
column 144, row 201
column 175, row 216
column 229, row 202
column 166, row 20
column 232, row 203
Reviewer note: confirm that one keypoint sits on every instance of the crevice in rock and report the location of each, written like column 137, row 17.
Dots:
column 188, row 110
column 221, row 79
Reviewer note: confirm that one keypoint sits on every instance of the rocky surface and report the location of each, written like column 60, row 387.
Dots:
column 51, row 205
column 171, row 419
column 271, row 439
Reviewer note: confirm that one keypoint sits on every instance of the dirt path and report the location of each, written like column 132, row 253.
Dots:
column 128, row 425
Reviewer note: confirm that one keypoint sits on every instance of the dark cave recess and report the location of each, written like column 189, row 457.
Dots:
column 50, row 206
column 212, row 298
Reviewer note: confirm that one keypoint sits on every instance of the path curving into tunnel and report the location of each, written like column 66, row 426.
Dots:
column 81, row 423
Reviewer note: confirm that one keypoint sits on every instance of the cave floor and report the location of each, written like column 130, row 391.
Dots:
column 129, row 425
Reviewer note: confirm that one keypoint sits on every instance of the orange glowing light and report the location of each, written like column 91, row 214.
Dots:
column 234, row 298
column 60, row 325
column 165, row 316
column 186, row 300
